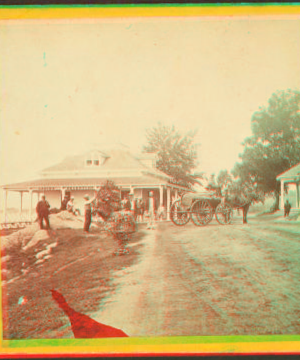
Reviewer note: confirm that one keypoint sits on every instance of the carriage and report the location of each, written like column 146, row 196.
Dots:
column 200, row 208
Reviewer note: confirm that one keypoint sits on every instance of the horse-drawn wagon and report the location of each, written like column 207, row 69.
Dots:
column 200, row 208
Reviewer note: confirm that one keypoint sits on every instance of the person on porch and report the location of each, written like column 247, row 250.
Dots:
column 64, row 203
column 140, row 210
column 161, row 213
column 132, row 203
column 151, row 211
column 126, row 204
column 71, row 207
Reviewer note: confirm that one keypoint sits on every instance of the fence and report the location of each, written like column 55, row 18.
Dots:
column 16, row 220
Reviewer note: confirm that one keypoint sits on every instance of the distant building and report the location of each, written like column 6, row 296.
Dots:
column 82, row 174
column 291, row 176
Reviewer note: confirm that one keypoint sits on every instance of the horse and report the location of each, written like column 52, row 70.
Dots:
column 241, row 196
column 238, row 195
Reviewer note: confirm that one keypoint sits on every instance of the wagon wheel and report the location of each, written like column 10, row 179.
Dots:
column 178, row 215
column 224, row 214
column 202, row 212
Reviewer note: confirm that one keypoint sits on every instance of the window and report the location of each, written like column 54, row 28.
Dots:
column 94, row 159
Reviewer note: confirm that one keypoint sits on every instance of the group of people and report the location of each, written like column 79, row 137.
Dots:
column 43, row 210
column 143, row 211
column 140, row 209
column 137, row 206
column 68, row 204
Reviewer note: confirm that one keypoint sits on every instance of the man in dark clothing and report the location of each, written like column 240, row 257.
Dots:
column 42, row 210
column 287, row 208
column 64, row 203
column 87, row 212
column 126, row 204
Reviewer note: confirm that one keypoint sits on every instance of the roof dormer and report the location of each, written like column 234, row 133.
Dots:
column 95, row 158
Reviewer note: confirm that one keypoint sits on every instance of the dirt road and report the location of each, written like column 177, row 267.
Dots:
column 214, row 280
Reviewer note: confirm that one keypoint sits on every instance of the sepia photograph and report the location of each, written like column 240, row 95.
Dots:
column 150, row 177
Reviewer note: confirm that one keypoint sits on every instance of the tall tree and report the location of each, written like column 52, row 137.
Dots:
column 274, row 145
column 176, row 153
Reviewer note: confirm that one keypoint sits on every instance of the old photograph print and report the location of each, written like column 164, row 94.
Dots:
column 150, row 174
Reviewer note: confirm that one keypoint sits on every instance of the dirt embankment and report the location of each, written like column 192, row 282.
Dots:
column 31, row 246
column 64, row 258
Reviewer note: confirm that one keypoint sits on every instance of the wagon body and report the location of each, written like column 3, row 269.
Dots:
column 200, row 208
column 188, row 199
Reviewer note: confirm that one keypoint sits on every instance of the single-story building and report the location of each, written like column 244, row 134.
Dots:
column 83, row 174
column 291, row 176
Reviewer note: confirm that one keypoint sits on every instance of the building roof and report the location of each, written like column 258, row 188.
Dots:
column 113, row 159
column 146, row 156
column 73, row 172
column 86, row 183
column 292, row 173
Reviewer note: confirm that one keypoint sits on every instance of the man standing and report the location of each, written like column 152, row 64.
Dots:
column 161, row 213
column 132, row 203
column 87, row 213
column 151, row 211
column 42, row 210
column 287, row 208
column 126, row 204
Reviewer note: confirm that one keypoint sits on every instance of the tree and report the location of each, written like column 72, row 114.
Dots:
column 108, row 199
column 274, row 146
column 176, row 153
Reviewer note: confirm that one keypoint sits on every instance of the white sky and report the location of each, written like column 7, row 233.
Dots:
column 68, row 86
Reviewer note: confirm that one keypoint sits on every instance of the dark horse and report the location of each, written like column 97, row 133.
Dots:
column 241, row 196
column 245, row 208
column 238, row 196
